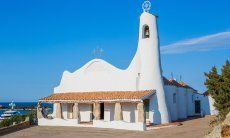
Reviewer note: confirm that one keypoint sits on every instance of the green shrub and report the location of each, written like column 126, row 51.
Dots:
column 19, row 118
column 16, row 118
column 218, row 86
column 6, row 122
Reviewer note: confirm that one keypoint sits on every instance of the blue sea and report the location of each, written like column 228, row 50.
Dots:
column 24, row 104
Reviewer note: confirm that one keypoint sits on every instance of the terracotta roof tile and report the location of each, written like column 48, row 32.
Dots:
column 99, row 96
column 175, row 83
column 183, row 84
column 166, row 81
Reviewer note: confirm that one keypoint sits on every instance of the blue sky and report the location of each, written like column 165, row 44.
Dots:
column 41, row 39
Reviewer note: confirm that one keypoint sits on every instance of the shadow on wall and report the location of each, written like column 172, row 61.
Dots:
column 129, row 112
column 132, row 120
column 156, row 112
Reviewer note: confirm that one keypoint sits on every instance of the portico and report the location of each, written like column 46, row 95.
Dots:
column 120, row 110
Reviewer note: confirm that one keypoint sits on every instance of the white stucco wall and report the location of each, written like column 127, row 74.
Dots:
column 213, row 110
column 86, row 113
column 182, row 104
column 98, row 75
column 155, row 115
column 170, row 90
column 208, row 106
column 190, row 102
column 129, row 112
column 109, row 111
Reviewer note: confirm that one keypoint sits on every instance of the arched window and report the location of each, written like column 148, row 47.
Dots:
column 145, row 32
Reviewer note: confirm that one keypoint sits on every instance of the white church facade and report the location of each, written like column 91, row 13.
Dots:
column 101, row 95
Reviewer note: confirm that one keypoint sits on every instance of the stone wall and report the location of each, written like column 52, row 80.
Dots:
column 13, row 128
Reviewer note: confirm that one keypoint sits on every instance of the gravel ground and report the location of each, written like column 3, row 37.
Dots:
column 195, row 128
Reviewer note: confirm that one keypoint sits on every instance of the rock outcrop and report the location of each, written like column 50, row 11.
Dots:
column 222, row 130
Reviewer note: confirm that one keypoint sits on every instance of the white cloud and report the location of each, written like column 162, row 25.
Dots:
column 217, row 41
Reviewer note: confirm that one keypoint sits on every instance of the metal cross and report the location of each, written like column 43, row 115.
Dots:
column 146, row 6
column 97, row 52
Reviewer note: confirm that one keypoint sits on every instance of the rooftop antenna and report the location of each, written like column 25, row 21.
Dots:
column 172, row 76
column 180, row 78
column 146, row 6
column 97, row 52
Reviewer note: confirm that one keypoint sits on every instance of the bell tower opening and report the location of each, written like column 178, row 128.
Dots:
column 145, row 32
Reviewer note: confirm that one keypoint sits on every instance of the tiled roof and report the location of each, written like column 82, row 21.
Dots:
column 175, row 83
column 166, row 81
column 183, row 84
column 99, row 96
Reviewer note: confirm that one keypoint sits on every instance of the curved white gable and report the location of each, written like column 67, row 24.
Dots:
column 97, row 75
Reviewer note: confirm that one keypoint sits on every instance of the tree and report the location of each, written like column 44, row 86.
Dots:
column 218, row 86
column 225, row 87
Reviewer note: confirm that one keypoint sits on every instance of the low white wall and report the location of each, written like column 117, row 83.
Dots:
column 119, row 125
column 96, row 123
column 58, row 122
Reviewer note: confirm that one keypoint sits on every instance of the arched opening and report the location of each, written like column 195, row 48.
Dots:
column 145, row 32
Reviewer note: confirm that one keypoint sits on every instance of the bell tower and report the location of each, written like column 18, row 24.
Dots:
column 150, row 63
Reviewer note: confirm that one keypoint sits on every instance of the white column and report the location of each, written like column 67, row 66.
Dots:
column 39, row 111
column 118, row 112
column 76, row 112
column 58, row 110
column 141, row 112
column 96, row 111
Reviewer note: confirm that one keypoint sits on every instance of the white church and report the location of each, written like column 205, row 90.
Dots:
column 103, row 96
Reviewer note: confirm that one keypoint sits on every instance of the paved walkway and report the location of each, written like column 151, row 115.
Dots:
column 195, row 128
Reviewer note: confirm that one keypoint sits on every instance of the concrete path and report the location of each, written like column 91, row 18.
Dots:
column 195, row 128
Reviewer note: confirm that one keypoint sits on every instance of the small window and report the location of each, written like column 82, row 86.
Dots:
column 174, row 98
column 146, row 32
